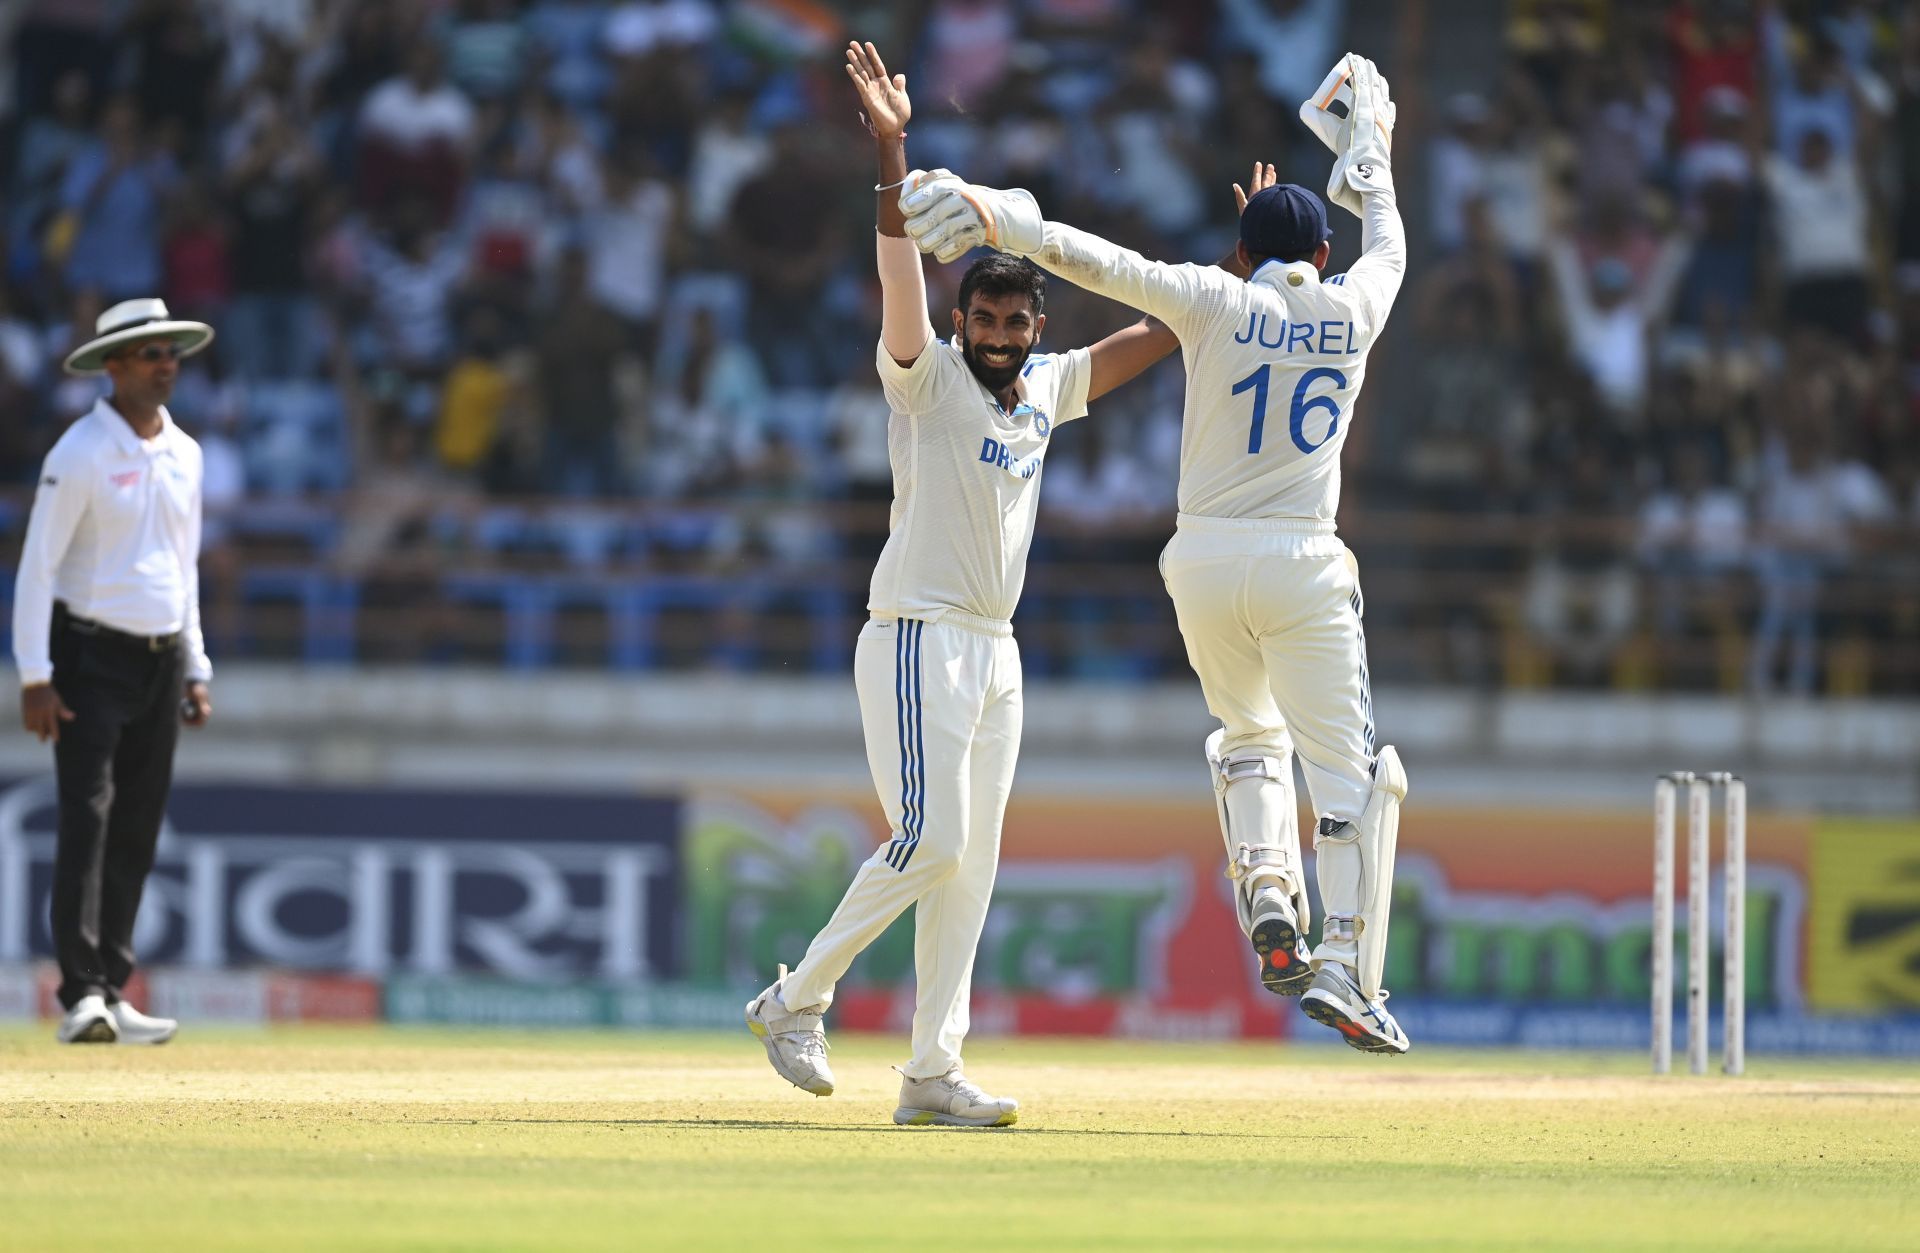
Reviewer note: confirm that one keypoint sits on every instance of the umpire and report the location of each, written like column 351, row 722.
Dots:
column 106, row 634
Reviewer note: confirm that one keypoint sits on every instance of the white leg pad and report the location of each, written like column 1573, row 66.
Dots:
column 1253, row 793
column 1355, row 864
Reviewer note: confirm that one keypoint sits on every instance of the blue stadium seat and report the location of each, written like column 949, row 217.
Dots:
column 329, row 606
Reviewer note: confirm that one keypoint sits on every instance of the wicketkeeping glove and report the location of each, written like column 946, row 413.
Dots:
column 948, row 217
column 1327, row 112
column 1362, row 139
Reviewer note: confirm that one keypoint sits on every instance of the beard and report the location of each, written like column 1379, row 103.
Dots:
column 994, row 377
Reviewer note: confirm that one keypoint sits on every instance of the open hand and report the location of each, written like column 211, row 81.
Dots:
column 883, row 99
column 1263, row 178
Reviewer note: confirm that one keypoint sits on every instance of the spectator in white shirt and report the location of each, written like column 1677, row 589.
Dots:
column 1456, row 170
column 1820, row 218
column 1294, row 40
column 641, row 27
column 969, row 49
column 626, row 237
column 1606, row 326
column 1693, row 541
column 1809, row 505
column 727, row 151
column 414, row 111
column 417, row 131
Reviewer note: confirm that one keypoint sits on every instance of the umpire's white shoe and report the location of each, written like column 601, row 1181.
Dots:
column 1335, row 1000
column 951, row 1100
column 796, row 1042
column 88, row 1022
column 138, row 1028
column 1275, row 933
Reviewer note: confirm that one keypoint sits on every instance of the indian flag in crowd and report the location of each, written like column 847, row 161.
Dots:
column 787, row 29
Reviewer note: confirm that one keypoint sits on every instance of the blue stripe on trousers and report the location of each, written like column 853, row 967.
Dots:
column 906, row 658
column 900, row 732
column 1366, row 682
column 917, row 678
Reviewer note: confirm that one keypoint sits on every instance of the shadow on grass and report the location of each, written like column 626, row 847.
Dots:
column 758, row 1124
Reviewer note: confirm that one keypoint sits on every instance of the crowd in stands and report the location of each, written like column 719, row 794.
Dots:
column 589, row 287
column 1676, row 281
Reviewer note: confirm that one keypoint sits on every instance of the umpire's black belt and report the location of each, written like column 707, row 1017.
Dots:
column 87, row 626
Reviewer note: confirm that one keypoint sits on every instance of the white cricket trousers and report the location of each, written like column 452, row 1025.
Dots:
column 940, row 705
column 1270, row 610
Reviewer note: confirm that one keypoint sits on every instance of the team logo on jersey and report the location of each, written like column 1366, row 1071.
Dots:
column 1042, row 424
column 125, row 479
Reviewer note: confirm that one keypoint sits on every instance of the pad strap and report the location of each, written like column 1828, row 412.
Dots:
column 1236, row 769
column 1252, row 857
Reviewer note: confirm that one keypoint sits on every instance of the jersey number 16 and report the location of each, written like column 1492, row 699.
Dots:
column 1302, row 405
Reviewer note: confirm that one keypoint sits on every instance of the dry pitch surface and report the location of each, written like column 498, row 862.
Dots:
column 384, row 1138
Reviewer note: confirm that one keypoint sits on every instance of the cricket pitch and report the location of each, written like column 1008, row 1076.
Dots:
column 401, row 1138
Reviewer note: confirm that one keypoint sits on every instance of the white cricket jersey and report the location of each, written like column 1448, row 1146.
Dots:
column 115, row 533
column 1274, row 363
column 966, row 480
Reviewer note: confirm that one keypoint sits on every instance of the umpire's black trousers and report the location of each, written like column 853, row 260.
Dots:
column 115, row 765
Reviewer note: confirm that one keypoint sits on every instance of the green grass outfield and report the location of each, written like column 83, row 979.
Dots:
column 399, row 1138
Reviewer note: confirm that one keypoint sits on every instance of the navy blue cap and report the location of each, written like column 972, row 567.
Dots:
column 1285, row 220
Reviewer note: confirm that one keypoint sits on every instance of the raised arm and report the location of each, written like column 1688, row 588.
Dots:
column 1123, row 355
column 1362, row 183
column 1577, row 312
column 1382, row 266
column 904, row 326
column 947, row 217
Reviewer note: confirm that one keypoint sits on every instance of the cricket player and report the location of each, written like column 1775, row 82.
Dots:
column 936, row 668
column 1267, row 597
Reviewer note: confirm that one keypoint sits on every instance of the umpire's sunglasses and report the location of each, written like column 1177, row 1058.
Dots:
column 151, row 353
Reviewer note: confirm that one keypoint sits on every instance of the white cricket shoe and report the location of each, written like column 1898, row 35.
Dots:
column 88, row 1022
column 1335, row 1000
column 796, row 1042
column 1275, row 932
column 952, row 1100
column 138, row 1028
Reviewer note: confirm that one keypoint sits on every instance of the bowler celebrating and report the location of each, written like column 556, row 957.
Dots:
column 936, row 668
column 1267, row 596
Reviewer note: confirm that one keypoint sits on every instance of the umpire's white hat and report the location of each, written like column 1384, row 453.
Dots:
column 133, row 320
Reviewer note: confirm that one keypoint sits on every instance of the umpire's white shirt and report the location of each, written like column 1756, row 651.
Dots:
column 1273, row 363
column 115, row 533
column 966, row 480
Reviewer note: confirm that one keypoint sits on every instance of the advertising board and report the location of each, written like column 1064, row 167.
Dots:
column 375, row 881
column 1510, row 927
